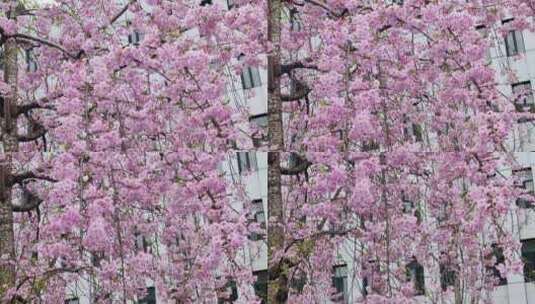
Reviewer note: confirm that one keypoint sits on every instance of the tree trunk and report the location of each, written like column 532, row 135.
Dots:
column 277, row 287
column 9, row 143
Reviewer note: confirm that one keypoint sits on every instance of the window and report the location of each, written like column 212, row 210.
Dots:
column 258, row 216
column 484, row 32
column 340, row 283
column 523, row 95
column 417, row 132
column 514, row 42
column 261, row 124
column 250, row 76
column 134, row 37
column 246, row 161
column 497, row 255
column 72, row 301
column 365, row 286
column 448, row 274
column 443, row 212
column 142, row 243
column 525, row 182
column 295, row 24
column 415, row 274
column 230, row 4
column 228, row 293
column 96, row 258
column 412, row 131
column 206, row 2
column 370, row 269
column 408, row 206
column 150, row 297
column 31, row 64
column 528, row 257
column 298, row 280
column 261, row 285
column 370, row 145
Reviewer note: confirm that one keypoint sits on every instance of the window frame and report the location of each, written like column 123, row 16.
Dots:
column 520, row 202
column 525, row 98
column 150, row 297
column 233, row 294
column 527, row 264
column 416, row 274
column 248, row 164
column 262, row 128
column 497, row 252
column 261, row 284
column 344, row 280
column 516, row 38
column 70, row 300
column 31, row 63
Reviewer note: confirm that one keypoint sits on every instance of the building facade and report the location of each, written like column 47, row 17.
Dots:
column 249, row 167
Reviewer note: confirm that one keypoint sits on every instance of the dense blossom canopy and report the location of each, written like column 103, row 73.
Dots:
column 126, row 120
column 396, row 129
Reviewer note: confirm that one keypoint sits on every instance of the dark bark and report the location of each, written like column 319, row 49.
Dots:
column 277, row 284
column 9, row 142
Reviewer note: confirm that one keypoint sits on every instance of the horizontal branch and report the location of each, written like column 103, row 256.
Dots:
column 301, row 92
column 287, row 68
column 25, row 108
column 302, row 166
column 32, row 136
column 20, row 178
column 48, row 43
column 30, row 204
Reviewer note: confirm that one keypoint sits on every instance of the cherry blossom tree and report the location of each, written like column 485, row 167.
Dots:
column 115, row 120
column 388, row 139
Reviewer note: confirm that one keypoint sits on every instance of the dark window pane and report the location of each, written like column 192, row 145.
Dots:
column 150, row 297
column 415, row 273
column 497, row 255
column 525, row 182
column 261, row 285
column 340, row 282
column 229, row 293
column 528, row 256
column 72, row 301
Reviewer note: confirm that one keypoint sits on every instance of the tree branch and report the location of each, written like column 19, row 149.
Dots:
column 32, row 106
column 121, row 12
column 20, row 178
column 32, row 136
column 30, row 202
column 48, row 43
column 301, row 92
column 303, row 64
column 302, row 166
